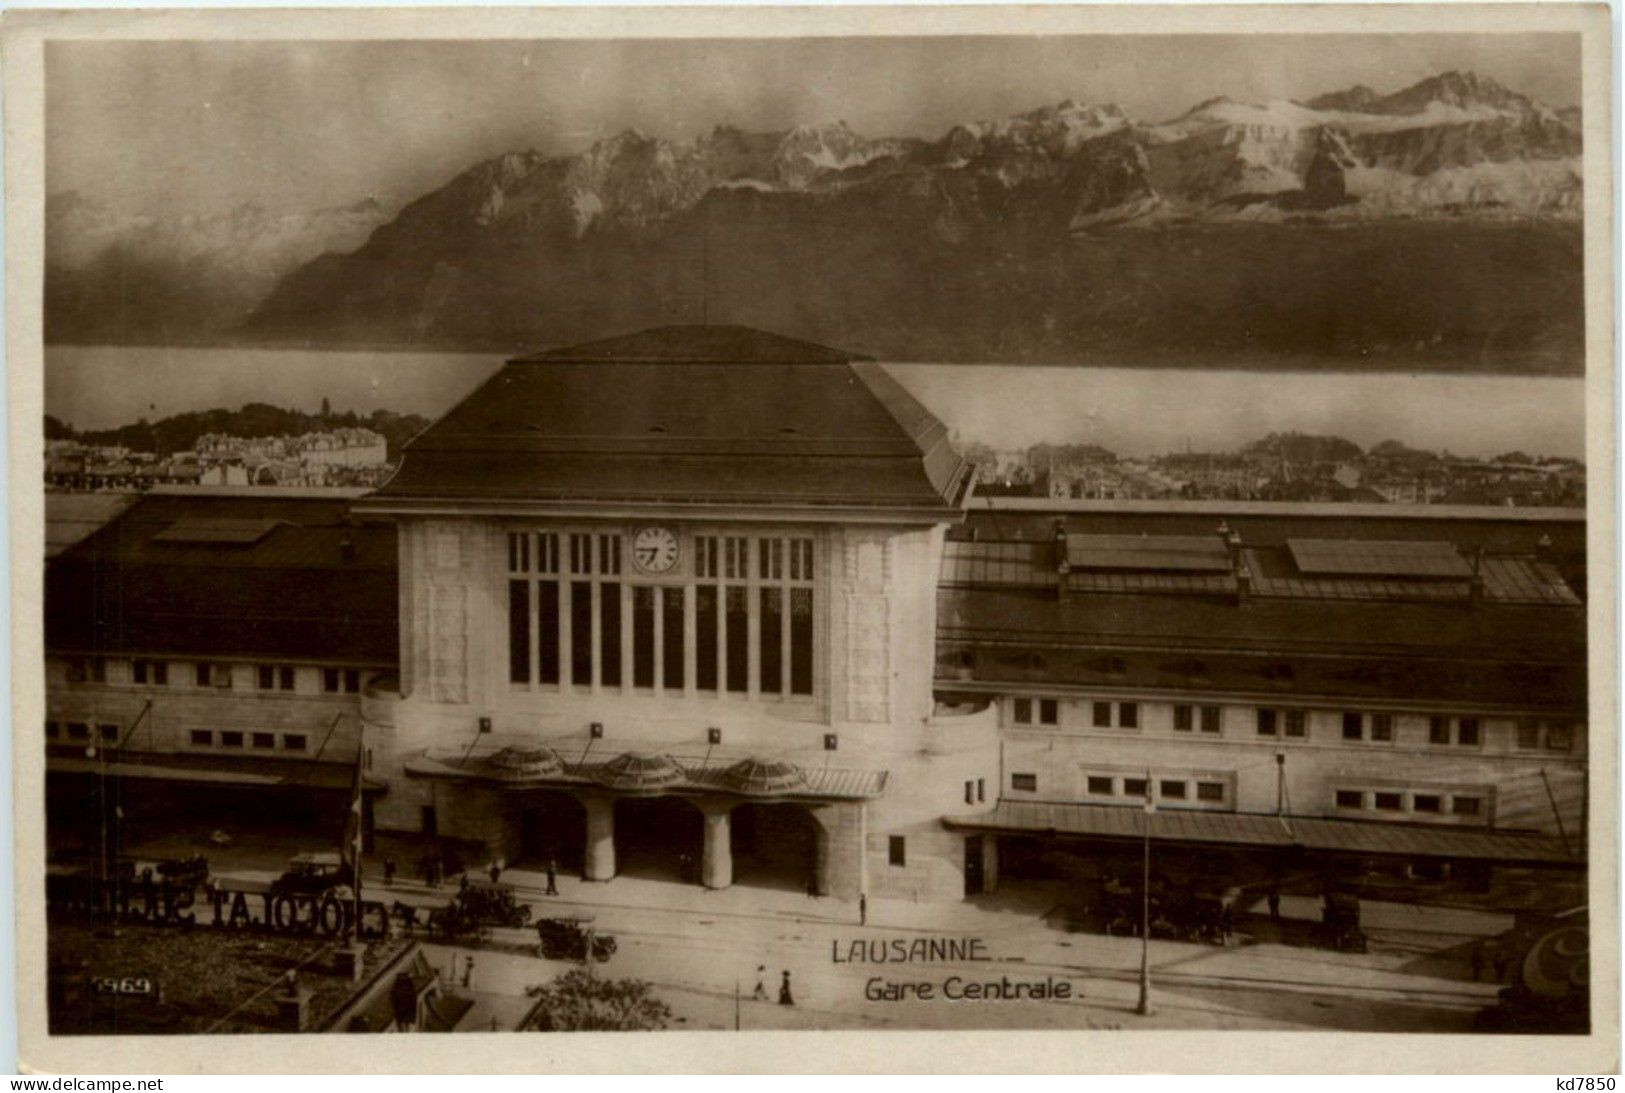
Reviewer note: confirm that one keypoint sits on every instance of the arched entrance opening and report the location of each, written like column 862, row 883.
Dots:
column 777, row 845
column 553, row 827
column 659, row 838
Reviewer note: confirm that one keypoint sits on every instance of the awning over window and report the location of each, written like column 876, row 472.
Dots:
column 1237, row 829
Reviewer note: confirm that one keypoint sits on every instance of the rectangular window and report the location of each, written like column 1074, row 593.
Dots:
column 547, row 632
column 736, row 558
column 285, row 677
column 1350, row 798
column 580, row 631
column 1528, row 733
column 581, row 554
column 1174, row 791
column 98, row 670
column 264, row 740
column 352, row 681
column 1382, row 727
column 1183, row 718
column 643, row 636
column 1467, row 734
column 671, row 605
column 231, row 739
column 801, row 635
column 78, row 730
column 1021, row 711
column 1049, row 711
column 547, row 552
column 1101, row 715
column 897, row 850
column 293, row 741
column 705, row 637
column 770, row 566
column 1438, row 730
column 1464, row 806
column 1134, row 787
column 609, row 554
column 109, row 733
column 609, row 632
column 1425, row 802
column 330, row 676
column 1128, row 715
column 138, row 671
column 518, row 637
column 1210, row 791
column 1210, row 718
column 736, row 624
column 1296, row 723
column 970, row 792
column 202, row 738
column 1389, row 802
column 1027, row 783
column 267, row 677
column 801, row 559
column 1559, row 738
column 771, row 632
column 981, row 790
column 705, row 556
column 52, row 730
column 1101, row 786
column 518, row 552
column 205, row 675
column 1266, row 722
column 1353, row 726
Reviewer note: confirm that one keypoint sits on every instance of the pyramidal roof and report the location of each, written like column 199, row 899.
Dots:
column 701, row 417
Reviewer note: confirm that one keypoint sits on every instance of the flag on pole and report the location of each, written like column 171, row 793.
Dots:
column 350, row 849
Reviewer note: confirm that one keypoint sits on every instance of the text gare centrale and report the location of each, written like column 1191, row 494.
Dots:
column 926, row 950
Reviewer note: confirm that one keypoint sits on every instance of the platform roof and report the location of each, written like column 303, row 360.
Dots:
column 1364, row 837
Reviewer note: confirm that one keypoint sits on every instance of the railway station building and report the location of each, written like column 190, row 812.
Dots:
column 718, row 606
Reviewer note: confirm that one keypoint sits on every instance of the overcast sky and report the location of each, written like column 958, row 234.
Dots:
column 198, row 126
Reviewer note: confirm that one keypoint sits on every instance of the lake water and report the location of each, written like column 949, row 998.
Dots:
column 1130, row 411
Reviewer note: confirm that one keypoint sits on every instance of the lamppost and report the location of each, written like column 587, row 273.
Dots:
column 1144, row 1008
column 103, row 859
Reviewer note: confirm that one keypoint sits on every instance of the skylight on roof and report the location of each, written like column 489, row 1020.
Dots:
column 223, row 532
column 1380, row 558
column 1177, row 553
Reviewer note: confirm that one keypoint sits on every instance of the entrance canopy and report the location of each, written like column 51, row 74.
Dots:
column 1235, row 829
column 650, row 771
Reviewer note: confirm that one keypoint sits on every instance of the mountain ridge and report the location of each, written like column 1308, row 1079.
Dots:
column 629, row 212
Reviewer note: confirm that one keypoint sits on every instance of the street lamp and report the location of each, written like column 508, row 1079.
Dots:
column 1144, row 1008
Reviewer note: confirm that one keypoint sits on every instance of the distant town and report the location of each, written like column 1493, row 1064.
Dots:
column 258, row 445
column 1282, row 467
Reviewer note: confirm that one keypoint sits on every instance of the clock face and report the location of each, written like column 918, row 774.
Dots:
column 654, row 549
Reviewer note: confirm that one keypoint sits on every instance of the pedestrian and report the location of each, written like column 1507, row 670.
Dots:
column 389, row 872
column 496, row 870
column 785, row 998
column 468, row 972
column 1476, row 959
column 863, row 908
column 1500, row 960
column 552, row 877
column 760, row 993
column 1274, row 900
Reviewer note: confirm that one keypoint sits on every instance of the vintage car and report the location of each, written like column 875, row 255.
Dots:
column 314, row 875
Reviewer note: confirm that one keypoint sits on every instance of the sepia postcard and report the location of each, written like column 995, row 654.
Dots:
column 814, row 539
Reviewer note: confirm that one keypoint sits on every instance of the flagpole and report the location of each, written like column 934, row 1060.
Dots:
column 1144, row 1008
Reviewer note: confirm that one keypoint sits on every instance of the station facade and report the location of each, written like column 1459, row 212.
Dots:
column 718, row 606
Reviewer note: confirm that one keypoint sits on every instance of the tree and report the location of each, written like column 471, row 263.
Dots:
column 579, row 1001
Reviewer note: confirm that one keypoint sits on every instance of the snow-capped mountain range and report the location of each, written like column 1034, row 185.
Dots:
column 1452, row 148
